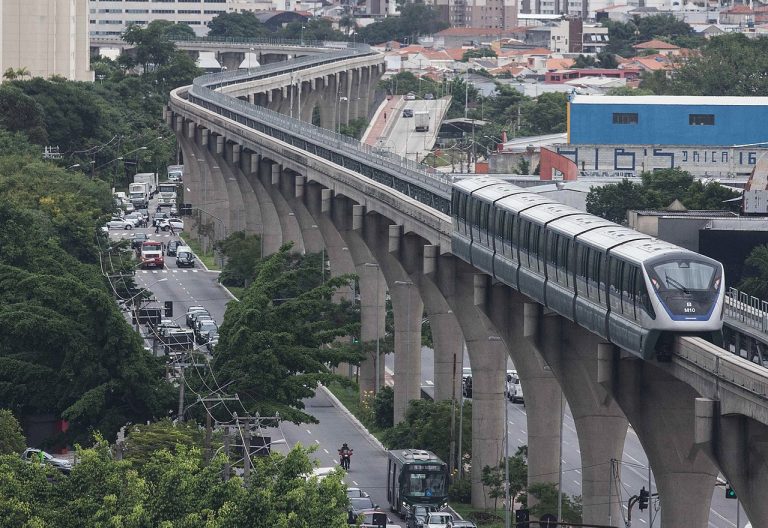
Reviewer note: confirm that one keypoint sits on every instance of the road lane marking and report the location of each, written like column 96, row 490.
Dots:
column 524, row 431
column 317, row 441
column 309, row 432
column 326, row 451
column 520, row 440
column 577, row 471
column 577, row 482
column 356, row 484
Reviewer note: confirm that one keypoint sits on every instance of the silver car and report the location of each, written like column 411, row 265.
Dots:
column 122, row 223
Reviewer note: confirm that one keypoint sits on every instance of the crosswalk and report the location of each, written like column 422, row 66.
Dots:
column 168, row 271
column 131, row 235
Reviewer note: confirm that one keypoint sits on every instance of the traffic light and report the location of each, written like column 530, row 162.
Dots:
column 522, row 516
column 642, row 499
column 168, row 308
column 730, row 493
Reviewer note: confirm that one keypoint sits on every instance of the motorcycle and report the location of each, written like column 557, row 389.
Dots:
column 344, row 458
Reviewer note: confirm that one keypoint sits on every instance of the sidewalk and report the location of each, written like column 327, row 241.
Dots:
column 378, row 124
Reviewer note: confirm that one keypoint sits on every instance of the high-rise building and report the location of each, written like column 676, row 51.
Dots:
column 45, row 38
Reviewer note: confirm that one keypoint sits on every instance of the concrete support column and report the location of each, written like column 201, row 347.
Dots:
column 739, row 446
column 408, row 309
column 328, row 107
column 572, row 352
column 661, row 409
column 219, row 144
column 516, row 317
column 373, row 292
column 364, row 92
column 271, row 234
column 354, row 99
column 448, row 345
column 346, row 91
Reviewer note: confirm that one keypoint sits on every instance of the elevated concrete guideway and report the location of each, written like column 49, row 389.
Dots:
column 387, row 219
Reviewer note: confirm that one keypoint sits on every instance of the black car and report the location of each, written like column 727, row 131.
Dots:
column 408, row 112
column 171, row 247
column 416, row 517
column 205, row 331
column 359, row 504
column 138, row 240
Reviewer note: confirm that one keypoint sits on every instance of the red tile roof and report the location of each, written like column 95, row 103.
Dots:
column 739, row 9
column 656, row 44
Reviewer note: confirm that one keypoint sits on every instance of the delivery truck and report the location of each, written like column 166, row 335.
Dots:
column 421, row 119
column 150, row 178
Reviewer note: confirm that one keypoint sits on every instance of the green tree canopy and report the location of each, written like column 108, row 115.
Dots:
column 415, row 19
column 755, row 279
column 243, row 252
column 623, row 35
column 237, row 25
column 314, row 29
column 657, row 191
column 172, row 489
column 66, row 349
column 477, row 53
column 276, row 344
column 427, row 425
column 12, row 439
column 732, row 65
column 153, row 47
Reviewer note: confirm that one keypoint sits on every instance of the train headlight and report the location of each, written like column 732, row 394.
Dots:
column 717, row 283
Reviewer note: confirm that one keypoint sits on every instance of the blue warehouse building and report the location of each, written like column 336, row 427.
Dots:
column 667, row 120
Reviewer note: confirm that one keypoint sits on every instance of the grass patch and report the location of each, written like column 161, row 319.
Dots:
column 482, row 518
column 350, row 398
column 207, row 258
column 237, row 291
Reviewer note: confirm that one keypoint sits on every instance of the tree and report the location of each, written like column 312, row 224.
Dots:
column 237, row 25
column 274, row 344
column 384, row 408
column 153, row 47
column 314, row 29
column 427, row 425
column 755, row 280
column 546, row 114
column 355, row 128
column 547, row 497
column 623, row 35
column 21, row 113
column 727, row 65
column 613, row 201
column 242, row 251
column 415, row 19
column 12, row 439
column 493, row 477
column 179, row 31
column 477, row 53
column 143, row 440
column 173, row 488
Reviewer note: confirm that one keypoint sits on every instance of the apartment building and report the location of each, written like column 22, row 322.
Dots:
column 45, row 38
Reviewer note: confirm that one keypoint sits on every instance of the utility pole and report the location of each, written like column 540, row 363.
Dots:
column 226, row 453
column 208, row 433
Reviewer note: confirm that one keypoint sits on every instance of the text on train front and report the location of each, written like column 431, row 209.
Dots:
column 687, row 288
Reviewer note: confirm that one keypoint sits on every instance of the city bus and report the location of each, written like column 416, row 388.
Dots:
column 416, row 478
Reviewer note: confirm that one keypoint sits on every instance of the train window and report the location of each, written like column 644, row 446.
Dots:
column 628, row 290
column 472, row 210
column 509, row 233
column 582, row 252
column 614, row 281
column 593, row 274
column 455, row 205
column 485, row 209
column 533, row 248
column 498, row 222
column 642, row 299
column 552, row 239
column 563, row 261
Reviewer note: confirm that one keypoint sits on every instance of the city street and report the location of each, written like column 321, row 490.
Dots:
column 187, row 287
column 404, row 140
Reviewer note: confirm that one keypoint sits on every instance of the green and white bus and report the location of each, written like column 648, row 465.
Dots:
column 416, row 478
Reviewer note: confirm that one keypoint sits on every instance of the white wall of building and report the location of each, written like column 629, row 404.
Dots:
column 47, row 37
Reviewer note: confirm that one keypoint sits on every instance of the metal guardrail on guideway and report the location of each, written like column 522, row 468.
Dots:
column 747, row 309
column 431, row 188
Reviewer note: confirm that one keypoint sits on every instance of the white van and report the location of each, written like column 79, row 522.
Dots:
column 185, row 257
column 513, row 388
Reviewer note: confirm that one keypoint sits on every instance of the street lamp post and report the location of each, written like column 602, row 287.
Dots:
column 338, row 112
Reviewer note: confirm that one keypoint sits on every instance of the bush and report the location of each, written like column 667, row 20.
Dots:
column 461, row 491
column 384, row 408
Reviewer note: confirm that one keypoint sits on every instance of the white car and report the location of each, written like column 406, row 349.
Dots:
column 121, row 223
column 438, row 520
column 167, row 223
column 410, row 96
column 41, row 457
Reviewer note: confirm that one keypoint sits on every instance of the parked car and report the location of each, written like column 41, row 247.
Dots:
column 416, row 517
column 138, row 240
column 170, row 249
column 33, row 455
column 358, row 505
column 355, row 493
column 193, row 318
column 167, row 223
column 205, row 331
column 410, row 96
column 463, row 524
column 407, row 112
column 438, row 520
column 429, row 96
column 512, row 388
column 121, row 223
column 193, row 310
column 212, row 342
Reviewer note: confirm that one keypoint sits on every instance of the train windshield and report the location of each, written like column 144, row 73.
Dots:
column 684, row 276
column 425, row 483
column 687, row 288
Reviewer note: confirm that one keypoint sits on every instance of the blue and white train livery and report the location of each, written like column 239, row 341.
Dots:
column 632, row 289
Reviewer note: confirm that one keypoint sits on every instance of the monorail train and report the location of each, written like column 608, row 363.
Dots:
column 628, row 287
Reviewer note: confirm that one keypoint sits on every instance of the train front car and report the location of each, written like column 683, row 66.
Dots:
column 683, row 294
column 687, row 292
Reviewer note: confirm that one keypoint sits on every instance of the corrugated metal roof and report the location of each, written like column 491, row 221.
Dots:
column 669, row 100
column 693, row 214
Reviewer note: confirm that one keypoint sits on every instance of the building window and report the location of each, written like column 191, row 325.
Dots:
column 701, row 119
column 624, row 118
